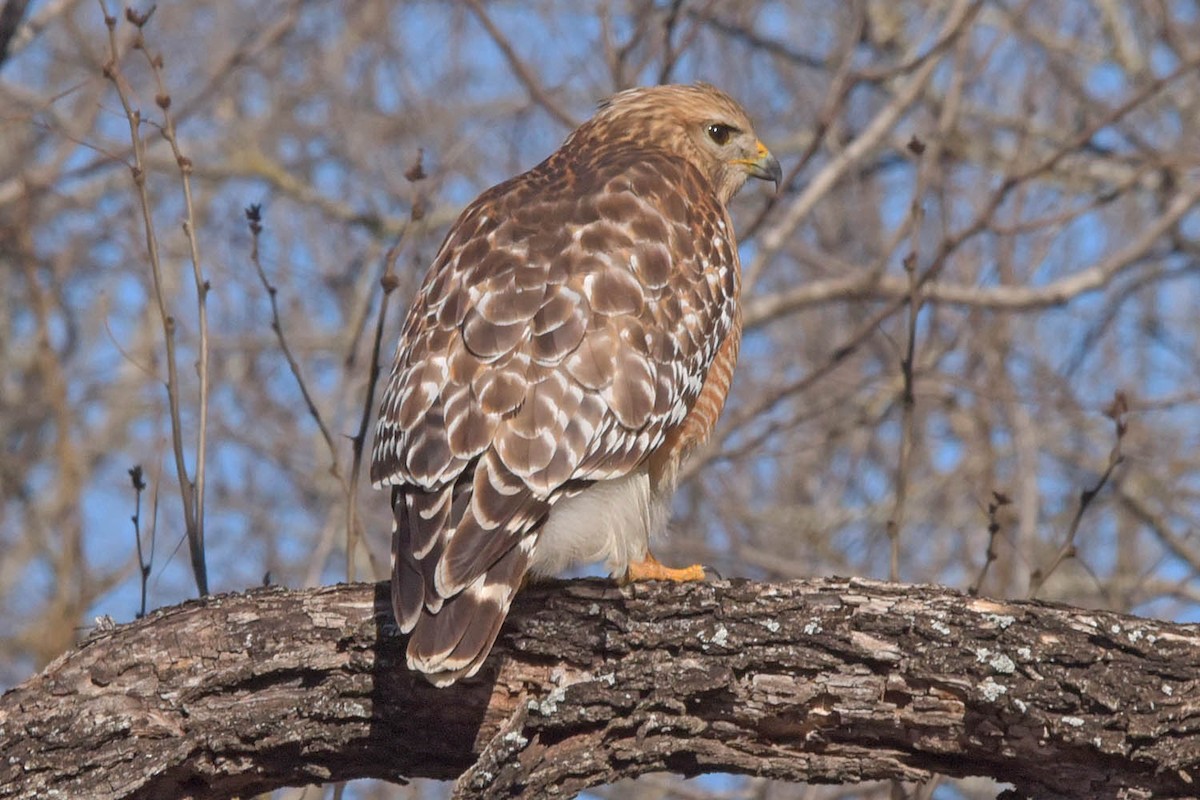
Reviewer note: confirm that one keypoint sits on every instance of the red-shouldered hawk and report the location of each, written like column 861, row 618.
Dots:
column 573, row 341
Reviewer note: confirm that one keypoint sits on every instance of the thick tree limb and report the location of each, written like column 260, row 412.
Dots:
column 822, row 681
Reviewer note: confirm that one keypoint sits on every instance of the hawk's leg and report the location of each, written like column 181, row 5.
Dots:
column 651, row 569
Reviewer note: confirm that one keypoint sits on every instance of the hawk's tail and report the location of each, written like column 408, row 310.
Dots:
column 450, row 637
column 454, row 642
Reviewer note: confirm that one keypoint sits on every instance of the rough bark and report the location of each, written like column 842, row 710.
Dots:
column 822, row 681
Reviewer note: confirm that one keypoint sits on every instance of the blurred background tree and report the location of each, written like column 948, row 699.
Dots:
column 988, row 231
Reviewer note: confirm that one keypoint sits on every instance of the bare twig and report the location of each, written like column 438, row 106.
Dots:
column 908, row 400
column 925, row 162
column 163, row 100
column 1116, row 412
column 999, row 500
column 139, row 485
column 186, row 487
column 254, row 220
column 414, row 174
column 359, row 443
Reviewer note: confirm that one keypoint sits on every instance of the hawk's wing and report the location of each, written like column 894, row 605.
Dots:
column 566, row 326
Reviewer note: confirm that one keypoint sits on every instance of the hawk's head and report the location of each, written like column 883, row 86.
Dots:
column 699, row 122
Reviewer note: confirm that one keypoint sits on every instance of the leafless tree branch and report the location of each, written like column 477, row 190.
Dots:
column 825, row 681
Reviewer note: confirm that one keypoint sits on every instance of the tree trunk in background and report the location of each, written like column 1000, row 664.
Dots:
column 825, row 681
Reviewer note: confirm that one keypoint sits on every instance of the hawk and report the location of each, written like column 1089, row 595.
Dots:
column 573, row 341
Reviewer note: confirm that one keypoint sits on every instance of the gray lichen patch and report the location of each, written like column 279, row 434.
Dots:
column 1001, row 621
column 1002, row 664
column 991, row 690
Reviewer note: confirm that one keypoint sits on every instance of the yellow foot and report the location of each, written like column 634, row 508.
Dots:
column 652, row 570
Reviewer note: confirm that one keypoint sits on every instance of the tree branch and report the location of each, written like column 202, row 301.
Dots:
column 11, row 13
column 826, row 681
column 860, row 285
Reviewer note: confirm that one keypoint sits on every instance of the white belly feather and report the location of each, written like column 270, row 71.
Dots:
column 610, row 521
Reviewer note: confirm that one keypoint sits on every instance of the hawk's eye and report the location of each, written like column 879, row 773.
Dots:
column 719, row 133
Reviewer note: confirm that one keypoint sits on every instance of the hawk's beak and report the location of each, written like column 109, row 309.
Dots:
column 764, row 165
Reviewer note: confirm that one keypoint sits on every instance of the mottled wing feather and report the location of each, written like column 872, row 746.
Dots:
column 565, row 329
